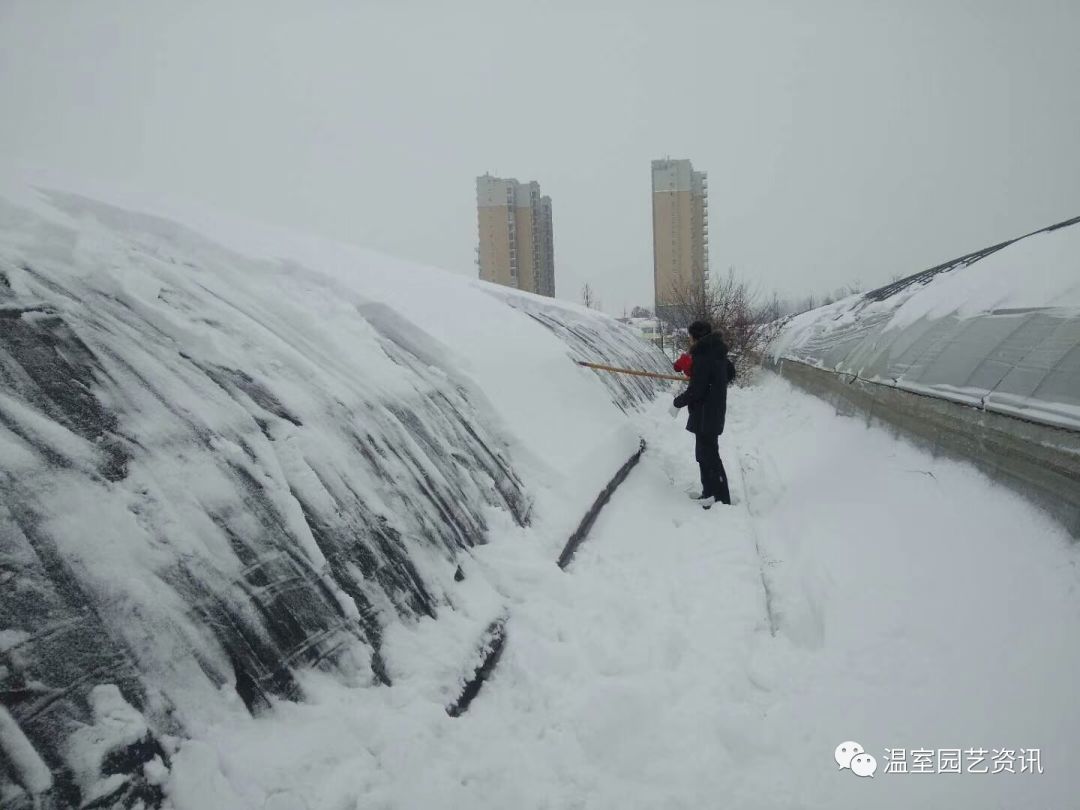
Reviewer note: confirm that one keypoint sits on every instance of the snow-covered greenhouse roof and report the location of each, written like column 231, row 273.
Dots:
column 998, row 329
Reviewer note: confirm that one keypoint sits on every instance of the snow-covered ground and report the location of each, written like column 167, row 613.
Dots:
column 859, row 589
column 260, row 496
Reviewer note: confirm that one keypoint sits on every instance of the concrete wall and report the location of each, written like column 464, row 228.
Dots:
column 547, row 249
column 495, row 245
column 526, row 256
column 1038, row 461
column 672, row 246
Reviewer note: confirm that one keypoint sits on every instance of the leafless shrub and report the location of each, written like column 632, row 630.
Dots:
column 589, row 297
column 746, row 320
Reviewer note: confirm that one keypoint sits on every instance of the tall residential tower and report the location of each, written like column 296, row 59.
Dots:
column 680, row 204
column 517, row 247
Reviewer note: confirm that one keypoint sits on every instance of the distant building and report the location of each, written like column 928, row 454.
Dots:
column 680, row 204
column 650, row 329
column 517, row 246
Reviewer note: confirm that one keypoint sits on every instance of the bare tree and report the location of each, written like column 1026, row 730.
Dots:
column 778, row 307
column 745, row 321
column 588, row 296
column 686, row 302
column 772, row 309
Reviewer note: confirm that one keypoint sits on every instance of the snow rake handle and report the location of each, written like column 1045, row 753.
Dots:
column 654, row 374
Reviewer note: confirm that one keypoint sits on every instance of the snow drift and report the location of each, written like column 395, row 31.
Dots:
column 998, row 329
column 228, row 455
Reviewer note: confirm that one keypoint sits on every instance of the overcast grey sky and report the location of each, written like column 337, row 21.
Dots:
column 844, row 141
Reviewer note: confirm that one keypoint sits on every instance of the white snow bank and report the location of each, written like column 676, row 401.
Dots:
column 229, row 459
column 29, row 771
column 500, row 352
column 917, row 605
column 1000, row 331
column 1041, row 270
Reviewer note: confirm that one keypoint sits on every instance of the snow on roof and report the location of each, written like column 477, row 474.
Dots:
column 998, row 329
column 243, row 453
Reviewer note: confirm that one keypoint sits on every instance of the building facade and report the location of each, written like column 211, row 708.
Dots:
column 517, row 245
column 680, row 203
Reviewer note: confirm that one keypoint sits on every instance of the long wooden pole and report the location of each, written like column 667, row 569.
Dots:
column 635, row 372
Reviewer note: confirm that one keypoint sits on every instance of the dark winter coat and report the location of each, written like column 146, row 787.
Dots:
column 706, row 397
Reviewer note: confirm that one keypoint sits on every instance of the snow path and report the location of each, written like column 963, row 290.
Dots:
column 916, row 604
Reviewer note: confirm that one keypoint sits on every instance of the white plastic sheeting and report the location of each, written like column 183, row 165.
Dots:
column 998, row 329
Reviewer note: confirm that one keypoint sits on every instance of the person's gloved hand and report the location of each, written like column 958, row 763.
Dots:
column 679, row 402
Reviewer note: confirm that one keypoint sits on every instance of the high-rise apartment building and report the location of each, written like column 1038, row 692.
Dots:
column 517, row 247
column 680, row 204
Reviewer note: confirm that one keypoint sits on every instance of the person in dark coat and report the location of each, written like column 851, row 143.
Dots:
column 706, row 402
